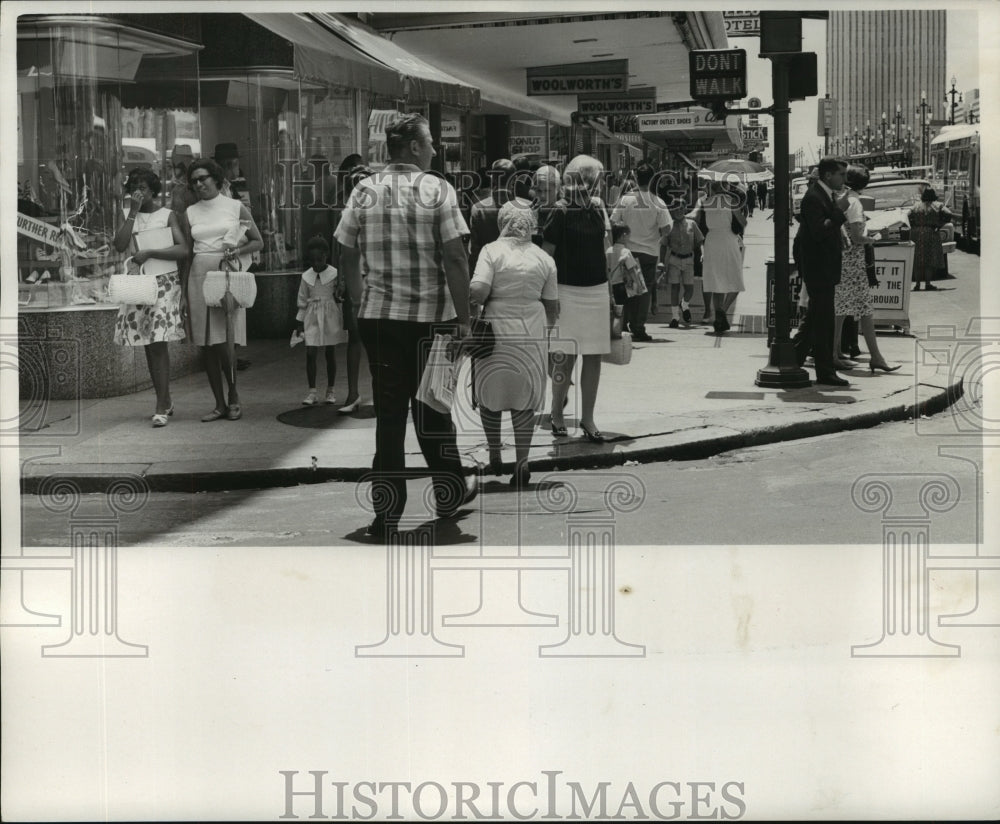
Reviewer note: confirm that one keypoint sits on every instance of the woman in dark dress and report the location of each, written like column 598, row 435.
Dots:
column 926, row 220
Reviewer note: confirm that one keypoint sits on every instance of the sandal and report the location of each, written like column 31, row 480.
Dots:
column 594, row 437
column 559, row 431
column 160, row 420
column 214, row 415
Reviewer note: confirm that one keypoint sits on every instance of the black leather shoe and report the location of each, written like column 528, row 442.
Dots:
column 832, row 380
column 381, row 529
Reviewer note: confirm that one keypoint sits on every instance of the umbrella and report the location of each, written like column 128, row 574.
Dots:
column 732, row 169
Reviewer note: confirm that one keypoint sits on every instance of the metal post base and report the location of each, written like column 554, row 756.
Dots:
column 783, row 370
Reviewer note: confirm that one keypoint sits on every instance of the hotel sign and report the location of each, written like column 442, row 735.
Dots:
column 609, row 76
column 742, row 23
column 634, row 101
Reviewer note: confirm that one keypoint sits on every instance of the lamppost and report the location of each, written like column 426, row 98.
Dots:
column 868, row 136
column 952, row 94
column 856, row 139
column 924, row 123
column 909, row 145
column 898, row 118
column 884, row 122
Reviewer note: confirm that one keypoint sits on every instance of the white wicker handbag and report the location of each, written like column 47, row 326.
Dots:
column 242, row 285
column 133, row 290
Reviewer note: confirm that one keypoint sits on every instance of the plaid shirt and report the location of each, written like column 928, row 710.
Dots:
column 398, row 219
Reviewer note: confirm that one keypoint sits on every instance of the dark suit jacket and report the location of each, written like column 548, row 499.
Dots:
column 483, row 227
column 817, row 249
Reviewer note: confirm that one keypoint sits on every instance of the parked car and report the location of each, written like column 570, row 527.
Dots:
column 887, row 203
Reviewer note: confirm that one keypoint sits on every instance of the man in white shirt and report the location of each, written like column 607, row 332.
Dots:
column 648, row 220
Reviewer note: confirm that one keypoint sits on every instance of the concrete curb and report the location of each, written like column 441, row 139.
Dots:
column 687, row 445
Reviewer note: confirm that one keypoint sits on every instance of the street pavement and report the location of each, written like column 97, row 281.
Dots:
column 687, row 394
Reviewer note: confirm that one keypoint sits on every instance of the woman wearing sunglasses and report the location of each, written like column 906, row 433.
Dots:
column 215, row 225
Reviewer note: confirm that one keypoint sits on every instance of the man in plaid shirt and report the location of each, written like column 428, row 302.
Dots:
column 402, row 229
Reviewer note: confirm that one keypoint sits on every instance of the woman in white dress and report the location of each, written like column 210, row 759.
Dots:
column 153, row 325
column 722, row 269
column 215, row 226
column 516, row 282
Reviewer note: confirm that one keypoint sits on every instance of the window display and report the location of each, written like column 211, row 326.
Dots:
column 77, row 141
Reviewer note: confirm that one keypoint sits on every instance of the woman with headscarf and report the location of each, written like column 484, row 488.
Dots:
column 577, row 235
column 515, row 282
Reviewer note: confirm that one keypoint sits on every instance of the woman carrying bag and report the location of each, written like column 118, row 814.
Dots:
column 153, row 325
column 516, row 283
column 222, row 235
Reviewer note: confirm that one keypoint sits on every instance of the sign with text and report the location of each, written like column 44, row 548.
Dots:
column 526, row 144
column 718, row 74
column 688, row 145
column 39, row 230
column 891, row 298
column 579, row 78
column 742, row 23
column 682, row 121
column 634, row 101
column 754, row 132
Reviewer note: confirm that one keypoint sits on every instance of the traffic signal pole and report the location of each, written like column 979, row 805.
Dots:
column 782, row 370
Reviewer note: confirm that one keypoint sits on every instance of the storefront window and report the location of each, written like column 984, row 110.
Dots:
column 93, row 103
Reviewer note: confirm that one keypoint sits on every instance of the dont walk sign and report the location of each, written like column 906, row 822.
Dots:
column 718, row 74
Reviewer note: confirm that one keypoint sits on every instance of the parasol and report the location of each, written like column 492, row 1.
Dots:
column 735, row 170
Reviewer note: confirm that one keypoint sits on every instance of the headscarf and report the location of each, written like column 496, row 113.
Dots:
column 517, row 221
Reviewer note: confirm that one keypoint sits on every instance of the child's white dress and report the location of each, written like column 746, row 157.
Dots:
column 319, row 311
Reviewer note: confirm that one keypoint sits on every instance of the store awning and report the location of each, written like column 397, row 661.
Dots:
column 330, row 49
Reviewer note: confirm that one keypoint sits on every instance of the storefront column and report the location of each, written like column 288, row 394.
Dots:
column 497, row 137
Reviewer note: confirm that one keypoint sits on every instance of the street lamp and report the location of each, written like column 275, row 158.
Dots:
column 924, row 123
column 909, row 145
column 952, row 94
column 868, row 136
column 899, row 122
column 856, row 138
column 884, row 122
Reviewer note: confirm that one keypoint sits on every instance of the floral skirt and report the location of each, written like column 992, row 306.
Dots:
column 852, row 296
column 157, row 322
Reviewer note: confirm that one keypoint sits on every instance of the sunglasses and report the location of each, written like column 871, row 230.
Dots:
column 200, row 179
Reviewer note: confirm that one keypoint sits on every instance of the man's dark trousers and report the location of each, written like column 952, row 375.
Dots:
column 816, row 331
column 397, row 355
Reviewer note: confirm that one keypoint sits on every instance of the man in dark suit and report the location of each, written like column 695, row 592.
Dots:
column 817, row 252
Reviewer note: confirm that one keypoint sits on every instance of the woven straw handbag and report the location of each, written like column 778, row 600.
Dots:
column 242, row 285
column 133, row 290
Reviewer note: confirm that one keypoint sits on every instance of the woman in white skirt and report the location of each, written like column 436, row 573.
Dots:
column 215, row 225
column 577, row 235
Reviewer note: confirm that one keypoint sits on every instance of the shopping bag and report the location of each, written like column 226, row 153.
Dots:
column 437, row 384
column 621, row 350
column 242, row 285
column 133, row 290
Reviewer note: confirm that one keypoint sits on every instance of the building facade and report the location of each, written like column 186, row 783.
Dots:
column 885, row 63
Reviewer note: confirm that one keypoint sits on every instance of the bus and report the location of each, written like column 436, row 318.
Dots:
column 955, row 162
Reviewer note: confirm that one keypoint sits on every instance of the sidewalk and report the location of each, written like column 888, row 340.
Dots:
column 688, row 394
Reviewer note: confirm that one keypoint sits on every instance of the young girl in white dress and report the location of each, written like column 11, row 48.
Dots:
column 319, row 317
